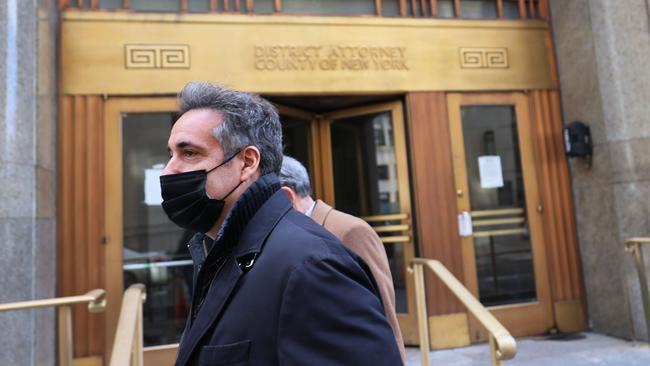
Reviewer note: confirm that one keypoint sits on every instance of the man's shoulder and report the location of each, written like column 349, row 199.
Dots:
column 343, row 223
column 350, row 219
column 298, row 238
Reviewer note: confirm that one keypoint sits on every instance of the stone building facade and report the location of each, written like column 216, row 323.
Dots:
column 27, row 178
column 602, row 49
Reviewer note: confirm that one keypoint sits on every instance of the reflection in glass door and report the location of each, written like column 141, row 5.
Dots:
column 499, row 207
column 365, row 178
column 154, row 252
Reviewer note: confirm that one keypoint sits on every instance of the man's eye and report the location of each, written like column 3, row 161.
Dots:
column 188, row 153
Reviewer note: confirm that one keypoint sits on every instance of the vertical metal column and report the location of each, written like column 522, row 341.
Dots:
column 634, row 246
column 421, row 306
column 65, row 335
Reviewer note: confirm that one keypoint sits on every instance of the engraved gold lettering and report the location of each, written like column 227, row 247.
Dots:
column 349, row 58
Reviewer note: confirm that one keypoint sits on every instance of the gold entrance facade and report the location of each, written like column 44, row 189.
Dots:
column 421, row 87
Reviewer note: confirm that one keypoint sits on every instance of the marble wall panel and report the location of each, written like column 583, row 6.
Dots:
column 46, row 133
column 45, row 193
column 602, row 48
column 27, row 176
column 17, row 194
column 630, row 160
column 633, row 211
column 18, row 112
column 16, row 344
column 577, row 66
column 16, row 283
column 602, row 257
column 45, row 287
column 622, row 43
column 597, row 174
column 16, row 263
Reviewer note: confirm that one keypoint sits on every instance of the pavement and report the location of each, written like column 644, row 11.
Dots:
column 573, row 350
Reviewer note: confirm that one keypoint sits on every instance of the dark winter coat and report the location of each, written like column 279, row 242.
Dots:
column 284, row 292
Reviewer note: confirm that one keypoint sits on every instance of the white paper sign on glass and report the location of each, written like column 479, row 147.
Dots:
column 491, row 174
column 465, row 224
column 152, row 195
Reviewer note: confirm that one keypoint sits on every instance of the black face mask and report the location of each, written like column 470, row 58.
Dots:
column 186, row 201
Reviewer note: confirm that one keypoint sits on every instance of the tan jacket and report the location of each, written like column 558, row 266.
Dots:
column 358, row 236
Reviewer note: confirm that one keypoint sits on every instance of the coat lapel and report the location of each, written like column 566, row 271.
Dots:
column 226, row 280
column 212, row 307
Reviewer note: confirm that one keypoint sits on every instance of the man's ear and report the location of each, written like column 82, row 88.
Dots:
column 292, row 195
column 251, row 157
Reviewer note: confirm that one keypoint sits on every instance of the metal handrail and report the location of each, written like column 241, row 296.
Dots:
column 128, row 343
column 502, row 344
column 96, row 300
column 388, row 217
column 633, row 246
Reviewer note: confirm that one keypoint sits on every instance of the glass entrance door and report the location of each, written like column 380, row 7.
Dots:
column 357, row 163
column 143, row 247
column 300, row 138
column 366, row 174
column 499, row 210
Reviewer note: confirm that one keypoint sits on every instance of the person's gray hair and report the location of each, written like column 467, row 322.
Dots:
column 248, row 120
column 294, row 175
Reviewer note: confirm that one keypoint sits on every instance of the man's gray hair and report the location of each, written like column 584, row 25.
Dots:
column 294, row 175
column 248, row 120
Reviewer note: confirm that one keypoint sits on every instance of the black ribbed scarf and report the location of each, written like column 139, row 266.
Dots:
column 233, row 226
column 244, row 209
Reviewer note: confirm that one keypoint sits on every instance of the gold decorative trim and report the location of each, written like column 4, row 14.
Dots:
column 203, row 18
column 449, row 331
column 395, row 239
column 504, row 232
column 484, row 58
column 569, row 316
column 388, row 217
column 501, row 212
column 154, row 56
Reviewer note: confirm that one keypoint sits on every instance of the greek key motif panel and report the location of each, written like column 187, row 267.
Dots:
column 484, row 58
column 150, row 56
column 126, row 53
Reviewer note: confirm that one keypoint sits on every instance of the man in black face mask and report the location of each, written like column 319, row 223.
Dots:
column 271, row 286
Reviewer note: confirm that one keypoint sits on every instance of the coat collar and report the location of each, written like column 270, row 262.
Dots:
column 249, row 244
column 261, row 225
column 321, row 210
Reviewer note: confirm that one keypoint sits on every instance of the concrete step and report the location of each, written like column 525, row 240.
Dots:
column 579, row 349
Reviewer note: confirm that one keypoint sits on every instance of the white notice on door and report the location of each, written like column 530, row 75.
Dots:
column 465, row 224
column 489, row 167
column 152, row 195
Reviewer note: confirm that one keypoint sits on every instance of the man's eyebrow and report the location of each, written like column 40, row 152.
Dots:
column 184, row 144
